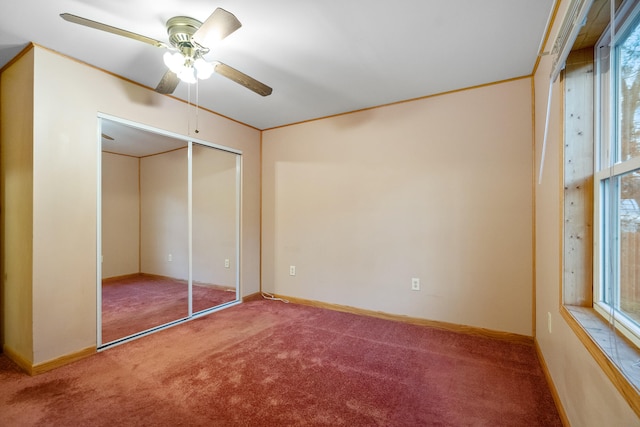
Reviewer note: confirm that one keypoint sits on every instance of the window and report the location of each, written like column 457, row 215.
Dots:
column 601, row 198
column 617, row 174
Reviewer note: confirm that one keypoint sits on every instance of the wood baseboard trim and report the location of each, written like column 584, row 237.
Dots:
column 62, row 360
column 31, row 369
column 252, row 297
column 552, row 386
column 23, row 363
column 138, row 275
column 469, row 330
column 123, row 277
column 108, row 280
column 161, row 277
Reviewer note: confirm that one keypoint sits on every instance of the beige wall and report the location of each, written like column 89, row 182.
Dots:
column 120, row 215
column 16, row 89
column 68, row 96
column 587, row 395
column 164, row 214
column 438, row 189
column 214, row 216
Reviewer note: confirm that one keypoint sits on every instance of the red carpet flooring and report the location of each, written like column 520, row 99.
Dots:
column 135, row 304
column 266, row 363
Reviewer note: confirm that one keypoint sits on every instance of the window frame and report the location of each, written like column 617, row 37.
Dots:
column 608, row 173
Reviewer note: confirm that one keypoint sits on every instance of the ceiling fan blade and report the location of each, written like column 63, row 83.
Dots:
column 168, row 83
column 241, row 78
column 109, row 29
column 217, row 26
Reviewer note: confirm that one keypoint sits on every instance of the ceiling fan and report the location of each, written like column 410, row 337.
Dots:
column 189, row 40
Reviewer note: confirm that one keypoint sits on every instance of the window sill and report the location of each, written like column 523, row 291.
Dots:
column 618, row 358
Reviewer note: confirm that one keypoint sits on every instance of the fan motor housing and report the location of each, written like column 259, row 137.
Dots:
column 180, row 30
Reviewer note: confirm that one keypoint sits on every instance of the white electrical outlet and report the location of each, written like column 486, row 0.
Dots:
column 226, row 263
column 170, row 258
column 292, row 270
column 549, row 321
column 415, row 284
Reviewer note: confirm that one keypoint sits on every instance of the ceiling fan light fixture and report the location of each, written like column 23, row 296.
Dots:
column 203, row 68
column 174, row 61
column 187, row 75
column 184, row 67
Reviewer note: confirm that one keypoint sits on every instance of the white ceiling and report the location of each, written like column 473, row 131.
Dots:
column 320, row 57
column 135, row 142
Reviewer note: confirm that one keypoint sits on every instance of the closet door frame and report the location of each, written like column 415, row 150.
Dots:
column 238, row 229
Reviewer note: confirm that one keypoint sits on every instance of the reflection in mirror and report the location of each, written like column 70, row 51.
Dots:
column 144, row 230
column 153, row 271
column 214, row 227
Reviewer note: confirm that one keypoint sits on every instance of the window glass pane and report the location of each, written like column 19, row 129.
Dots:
column 602, row 120
column 629, row 256
column 610, row 230
column 629, row 95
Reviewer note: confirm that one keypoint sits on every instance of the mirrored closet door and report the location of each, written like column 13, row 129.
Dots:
column 169, row 232
column 214, row 226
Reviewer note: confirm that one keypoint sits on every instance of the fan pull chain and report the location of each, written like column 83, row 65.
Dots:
column 196, row 105
column 188, row 109
column 197, row 102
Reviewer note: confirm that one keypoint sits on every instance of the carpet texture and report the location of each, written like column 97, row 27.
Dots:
column 137, row 303
column 265, row 363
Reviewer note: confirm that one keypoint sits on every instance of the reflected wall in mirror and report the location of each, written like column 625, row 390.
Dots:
column 144, row 230
column 215, row 226
column 151, row 268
